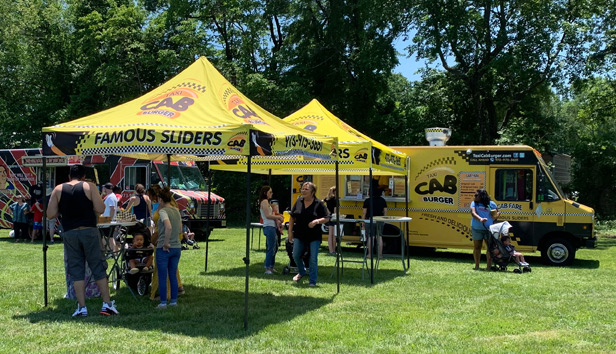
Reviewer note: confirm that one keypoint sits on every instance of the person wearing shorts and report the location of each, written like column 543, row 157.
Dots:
column 482, row 218
column 79, row 203
column 37, row 225
column 51, row 229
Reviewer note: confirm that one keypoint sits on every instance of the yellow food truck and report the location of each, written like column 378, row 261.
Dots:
column 442, row 181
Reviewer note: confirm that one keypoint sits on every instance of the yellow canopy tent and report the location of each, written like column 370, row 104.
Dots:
column 358, row 154
column 197, row 115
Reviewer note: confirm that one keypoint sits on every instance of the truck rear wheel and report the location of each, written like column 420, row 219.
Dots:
column 558, row 252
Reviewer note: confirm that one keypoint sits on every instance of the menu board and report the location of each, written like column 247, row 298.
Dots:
column 353, row 187
column 470, row 182
column 398, row 187
column 325, row 183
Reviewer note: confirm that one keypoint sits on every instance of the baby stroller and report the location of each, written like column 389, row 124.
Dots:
column 501, row 256
column 138, row 282
column 292, row 267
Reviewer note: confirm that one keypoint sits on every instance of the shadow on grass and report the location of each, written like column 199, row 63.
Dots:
column 203, row 312
column 535, row 261
column 351, row 274
column 211, row 240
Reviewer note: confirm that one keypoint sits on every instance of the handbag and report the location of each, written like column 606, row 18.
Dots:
column 125, row 215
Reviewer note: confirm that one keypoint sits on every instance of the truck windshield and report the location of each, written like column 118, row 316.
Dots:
column 547, row 189
column 184, row 177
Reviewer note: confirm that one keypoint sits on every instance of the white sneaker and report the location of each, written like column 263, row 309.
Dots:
column 134, row 271
column 109, row 309
column 161, row 306
column 81, row 312
column 269, row 272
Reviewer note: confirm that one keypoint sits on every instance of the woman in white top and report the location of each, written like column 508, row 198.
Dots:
column 269, row 228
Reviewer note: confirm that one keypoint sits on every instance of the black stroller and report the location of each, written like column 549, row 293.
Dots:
column 292, row 267
column 138, row 282
column 501, row 256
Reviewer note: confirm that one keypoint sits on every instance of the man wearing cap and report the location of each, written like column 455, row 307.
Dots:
column 111, row 201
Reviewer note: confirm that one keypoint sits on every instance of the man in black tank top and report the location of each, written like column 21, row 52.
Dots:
column 79, row 203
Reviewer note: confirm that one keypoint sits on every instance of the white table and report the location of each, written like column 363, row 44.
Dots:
column 381, row 220
column 340, row 257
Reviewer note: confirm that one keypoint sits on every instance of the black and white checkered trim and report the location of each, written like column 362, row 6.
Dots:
column 294, row 162
column 503, row 213
column 148, row 150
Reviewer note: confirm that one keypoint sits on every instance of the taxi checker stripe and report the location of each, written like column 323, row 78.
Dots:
column 437, row 162
column 198, row 87
column 309, row 116
column 288, row 162
column 326, row 169
column 158, row 150
column 468, row 211
column 463, row 154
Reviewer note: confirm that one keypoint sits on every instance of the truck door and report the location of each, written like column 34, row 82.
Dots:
column 512, row 189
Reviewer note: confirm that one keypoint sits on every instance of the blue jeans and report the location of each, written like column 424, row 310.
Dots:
column 298, row 250
column 271, row 246
column 167, row 264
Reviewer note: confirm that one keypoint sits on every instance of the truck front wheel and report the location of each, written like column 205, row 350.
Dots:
column 558, row 252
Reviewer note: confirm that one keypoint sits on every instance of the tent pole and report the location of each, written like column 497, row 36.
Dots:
column 247, row 258
column 337, row 232
column 169, row 171
column 207, row 219
column 406, row 224
column 371, row 237
column 44, row 232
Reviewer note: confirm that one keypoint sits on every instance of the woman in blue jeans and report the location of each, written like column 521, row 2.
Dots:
column 269, row 228
column 307, row 213
column 484, row 213
column 169, row 248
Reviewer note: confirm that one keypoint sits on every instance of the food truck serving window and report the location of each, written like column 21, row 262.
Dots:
column 359, row 186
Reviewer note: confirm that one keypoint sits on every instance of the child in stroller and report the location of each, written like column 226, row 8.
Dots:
column 502, row 251
column 139, row 256
column 292, row 267
column 138, row 262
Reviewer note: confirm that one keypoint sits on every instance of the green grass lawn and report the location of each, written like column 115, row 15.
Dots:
column 440, row 305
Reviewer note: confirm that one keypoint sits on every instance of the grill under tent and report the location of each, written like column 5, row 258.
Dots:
column 197, row 115
column 357, row 154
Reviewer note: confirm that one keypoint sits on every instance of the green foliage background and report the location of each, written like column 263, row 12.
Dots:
column 533, row 72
